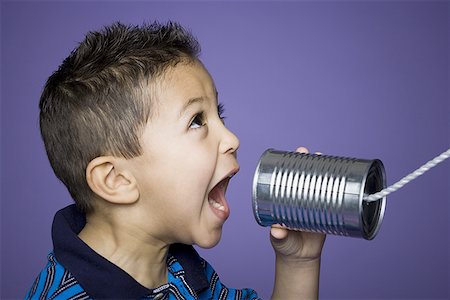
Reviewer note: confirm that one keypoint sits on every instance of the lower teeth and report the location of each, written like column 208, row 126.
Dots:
column 216, row 205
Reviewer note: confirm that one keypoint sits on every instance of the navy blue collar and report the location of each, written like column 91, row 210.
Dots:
column 102, row 279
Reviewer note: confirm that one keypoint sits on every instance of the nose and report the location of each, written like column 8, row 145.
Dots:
column 229, row 143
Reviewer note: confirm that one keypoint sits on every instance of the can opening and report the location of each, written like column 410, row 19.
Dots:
column 373, row 212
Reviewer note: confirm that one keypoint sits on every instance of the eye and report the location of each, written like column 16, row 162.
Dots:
column 198, row 121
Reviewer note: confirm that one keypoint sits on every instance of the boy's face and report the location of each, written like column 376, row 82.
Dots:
column 188, row 157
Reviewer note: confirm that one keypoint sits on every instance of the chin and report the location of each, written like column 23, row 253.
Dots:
column 208, row 242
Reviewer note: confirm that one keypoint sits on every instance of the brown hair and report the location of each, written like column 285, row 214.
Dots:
column 97, row 102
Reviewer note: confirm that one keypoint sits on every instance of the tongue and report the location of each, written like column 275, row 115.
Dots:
column 217, row 193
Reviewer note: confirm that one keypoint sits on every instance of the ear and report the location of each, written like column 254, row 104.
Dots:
column 106, row 178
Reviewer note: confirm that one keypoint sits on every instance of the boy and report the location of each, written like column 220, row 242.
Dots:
column 132, row 127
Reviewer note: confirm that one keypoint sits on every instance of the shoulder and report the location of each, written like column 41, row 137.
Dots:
column 55, row 282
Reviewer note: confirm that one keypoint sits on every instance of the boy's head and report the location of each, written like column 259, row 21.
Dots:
column 99, row 100
column 101, row 97
column 132, row 127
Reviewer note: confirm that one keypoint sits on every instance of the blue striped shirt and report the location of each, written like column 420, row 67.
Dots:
column 75, row 271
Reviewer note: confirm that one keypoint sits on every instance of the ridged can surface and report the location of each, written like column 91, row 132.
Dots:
column 319, row 193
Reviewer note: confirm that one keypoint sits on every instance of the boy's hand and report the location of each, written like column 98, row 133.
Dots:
column 297, row 261
column 296, row 246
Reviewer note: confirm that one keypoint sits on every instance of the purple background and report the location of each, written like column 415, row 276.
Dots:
column 362, row 79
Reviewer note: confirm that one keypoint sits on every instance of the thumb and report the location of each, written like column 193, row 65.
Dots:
column 282, row 241
column 278, row 233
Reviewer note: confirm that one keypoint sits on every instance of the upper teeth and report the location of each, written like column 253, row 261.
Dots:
column 216, row 205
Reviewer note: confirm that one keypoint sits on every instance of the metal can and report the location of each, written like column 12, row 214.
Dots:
column 319, row 193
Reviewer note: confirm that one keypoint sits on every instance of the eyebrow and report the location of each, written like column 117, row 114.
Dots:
column 190, row 102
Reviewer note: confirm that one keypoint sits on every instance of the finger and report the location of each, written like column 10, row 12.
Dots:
column 278, row 232
column 302, row 150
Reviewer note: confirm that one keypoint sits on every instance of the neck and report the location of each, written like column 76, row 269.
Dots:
column 142, row 257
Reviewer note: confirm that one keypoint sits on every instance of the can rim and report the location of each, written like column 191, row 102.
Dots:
column 254, row 188
column 369, row 231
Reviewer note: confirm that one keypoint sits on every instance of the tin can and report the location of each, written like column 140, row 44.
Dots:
column 319, row 193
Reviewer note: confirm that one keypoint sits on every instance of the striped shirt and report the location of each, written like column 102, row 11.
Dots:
column 75, row 271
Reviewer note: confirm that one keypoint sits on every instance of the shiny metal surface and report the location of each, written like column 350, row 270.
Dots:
column 319, row 193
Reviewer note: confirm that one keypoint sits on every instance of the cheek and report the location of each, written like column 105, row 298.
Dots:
column 182, row 171
column 179, row 180
column 192, row 182
column 194, row 178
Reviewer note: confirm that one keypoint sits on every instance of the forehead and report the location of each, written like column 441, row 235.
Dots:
column 183, row 82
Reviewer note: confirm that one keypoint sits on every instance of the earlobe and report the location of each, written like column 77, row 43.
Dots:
column 110, row 182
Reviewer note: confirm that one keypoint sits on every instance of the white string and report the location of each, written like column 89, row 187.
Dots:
column 408, row 178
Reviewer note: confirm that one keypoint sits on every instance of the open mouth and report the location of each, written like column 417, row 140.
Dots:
column 217, row 201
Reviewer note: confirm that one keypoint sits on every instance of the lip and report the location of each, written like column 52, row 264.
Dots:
column 231, row 173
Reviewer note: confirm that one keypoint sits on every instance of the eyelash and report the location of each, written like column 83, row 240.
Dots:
column 221, row 110
column 199, row 118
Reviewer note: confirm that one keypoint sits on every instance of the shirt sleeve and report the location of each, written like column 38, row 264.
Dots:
column 55, row 282
column 217, row 290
